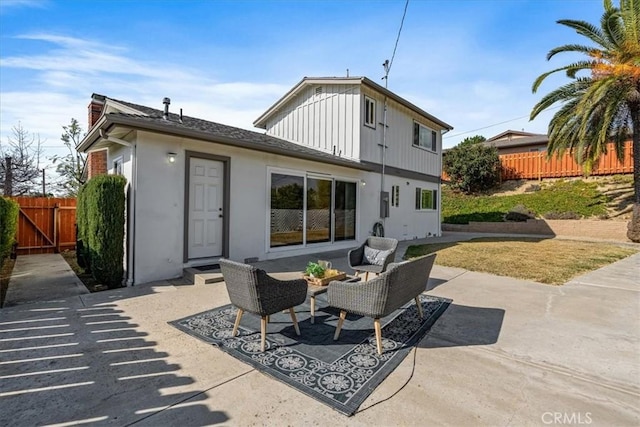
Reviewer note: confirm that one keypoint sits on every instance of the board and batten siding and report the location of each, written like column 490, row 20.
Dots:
column 400, row 151
column 322, row 117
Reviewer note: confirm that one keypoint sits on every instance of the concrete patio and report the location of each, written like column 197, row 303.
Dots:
column 506, row 352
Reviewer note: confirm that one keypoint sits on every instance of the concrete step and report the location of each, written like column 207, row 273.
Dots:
column 198, row 277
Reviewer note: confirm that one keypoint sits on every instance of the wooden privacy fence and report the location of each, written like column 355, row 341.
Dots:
column 535, row 165
column 46, row 224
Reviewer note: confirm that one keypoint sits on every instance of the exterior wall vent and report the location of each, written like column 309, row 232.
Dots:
column 319, row 90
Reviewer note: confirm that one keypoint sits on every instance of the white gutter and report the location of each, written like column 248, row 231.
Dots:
column 113, row 139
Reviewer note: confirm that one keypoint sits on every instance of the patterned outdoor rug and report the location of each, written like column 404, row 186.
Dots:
column 339, row 373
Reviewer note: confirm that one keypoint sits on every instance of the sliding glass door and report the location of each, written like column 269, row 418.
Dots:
column 311, row 209
column 287, row 208
column 345, row 209
column 319, row 197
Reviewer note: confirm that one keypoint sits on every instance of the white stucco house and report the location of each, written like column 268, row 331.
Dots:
column 321, row 175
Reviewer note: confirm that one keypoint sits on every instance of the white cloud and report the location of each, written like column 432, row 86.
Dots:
column 5, row 5
column 72, row 69
column 43, row 113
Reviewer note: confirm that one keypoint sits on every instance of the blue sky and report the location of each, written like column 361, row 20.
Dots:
column 470, row 63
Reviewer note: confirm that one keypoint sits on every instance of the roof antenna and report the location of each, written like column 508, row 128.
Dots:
column 166, row 102
column 386, row 67
column 181, row 115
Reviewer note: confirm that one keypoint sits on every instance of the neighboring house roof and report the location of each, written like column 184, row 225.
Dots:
column 261, row 122
column 512, row 134
column 516, row 138
column 151, row 119
column 535, row 139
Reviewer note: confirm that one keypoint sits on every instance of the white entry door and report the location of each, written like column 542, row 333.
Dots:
column 205, row 208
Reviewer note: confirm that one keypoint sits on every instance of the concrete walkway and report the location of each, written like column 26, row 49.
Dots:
column 506, row 352
column 42, row 278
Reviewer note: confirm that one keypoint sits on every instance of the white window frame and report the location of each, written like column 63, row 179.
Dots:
column 420, row 199
column 432, row 144
column 118, row 165
column 305, row 175
column 395, row 196
column 369, row 112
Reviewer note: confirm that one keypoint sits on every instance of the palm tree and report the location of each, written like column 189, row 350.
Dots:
column 604, row 105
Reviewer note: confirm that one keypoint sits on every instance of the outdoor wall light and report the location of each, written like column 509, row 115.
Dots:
column 363, row 183
column 171, row 157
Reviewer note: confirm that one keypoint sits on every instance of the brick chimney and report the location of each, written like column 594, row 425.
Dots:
column 96, row 163
column 95, row 108
column 96, row 160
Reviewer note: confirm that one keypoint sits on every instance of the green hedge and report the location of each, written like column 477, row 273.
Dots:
column 9, row 210
column 100, row 219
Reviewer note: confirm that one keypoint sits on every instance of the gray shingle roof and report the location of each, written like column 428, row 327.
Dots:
column 153, row 120
column 535, row 139
column 510, row 132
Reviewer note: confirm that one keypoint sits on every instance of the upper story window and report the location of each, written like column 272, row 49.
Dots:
column 424, row 137
column 369, row 112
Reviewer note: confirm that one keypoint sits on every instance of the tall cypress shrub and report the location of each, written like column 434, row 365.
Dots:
column 101, row 207
column 9, row 210
column 82, row 255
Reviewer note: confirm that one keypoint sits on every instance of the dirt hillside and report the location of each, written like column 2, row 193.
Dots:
column 618, row 189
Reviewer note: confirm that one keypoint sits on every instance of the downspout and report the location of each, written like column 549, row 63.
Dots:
column 384, row 155
column 386, row 65
column 113, row 139
column 131, row 234
column 132, row 229
column 440, row 185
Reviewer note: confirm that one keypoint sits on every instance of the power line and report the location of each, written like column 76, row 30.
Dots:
column 406, row 5
column 495, row 124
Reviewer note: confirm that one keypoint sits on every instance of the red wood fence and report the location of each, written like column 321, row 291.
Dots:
column 535, row 165
column 46, row 225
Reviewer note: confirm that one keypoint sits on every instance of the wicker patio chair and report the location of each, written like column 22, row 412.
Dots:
column 383, row 294
column 253, row 290
column 373, row 256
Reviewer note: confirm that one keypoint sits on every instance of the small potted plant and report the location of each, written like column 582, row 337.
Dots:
column 314, row 270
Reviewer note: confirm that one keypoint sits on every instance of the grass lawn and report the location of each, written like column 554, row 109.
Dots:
column 549, row 261
column 578, row 197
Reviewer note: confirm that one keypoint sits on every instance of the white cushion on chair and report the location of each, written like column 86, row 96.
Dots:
column 375, row 256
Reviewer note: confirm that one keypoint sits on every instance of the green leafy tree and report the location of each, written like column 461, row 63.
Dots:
column 70, row 166
column 288, row 196
column 604, row 105
column 472, row 167
column 476, row 139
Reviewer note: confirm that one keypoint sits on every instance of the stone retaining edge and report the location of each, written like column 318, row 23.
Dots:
column 591, row 229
